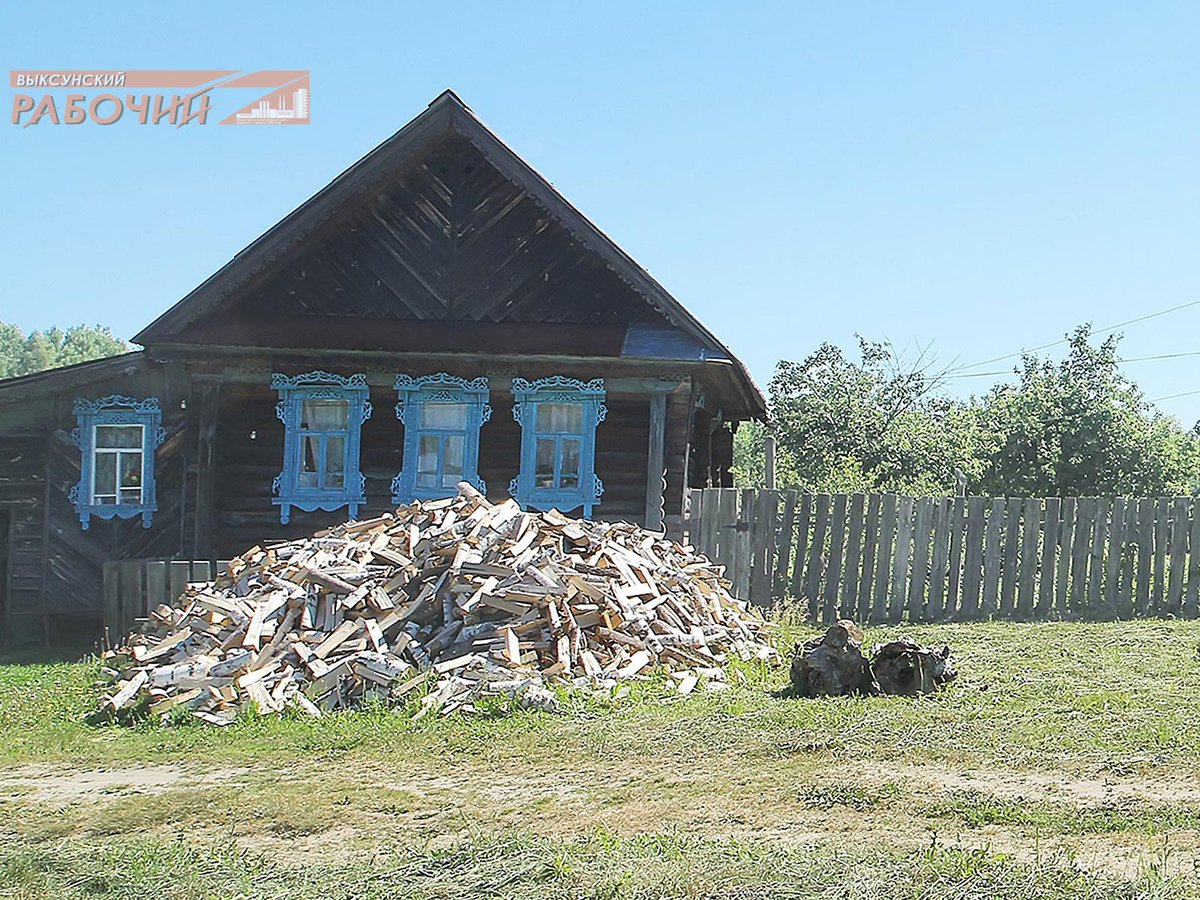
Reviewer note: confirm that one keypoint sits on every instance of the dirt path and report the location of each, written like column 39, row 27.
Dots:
column 434, row 802
column 1044, row 786
column 66, row 785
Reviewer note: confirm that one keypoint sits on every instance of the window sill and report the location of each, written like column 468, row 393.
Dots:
column 116, row 511
column 312, row 504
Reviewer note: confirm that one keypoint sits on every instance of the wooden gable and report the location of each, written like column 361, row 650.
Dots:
column 451, row 240
column 446, row 241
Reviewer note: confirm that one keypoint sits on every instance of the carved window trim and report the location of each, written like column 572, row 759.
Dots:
column 413, row 394
column 293, row 391
column 121, row 411
column 528, row 397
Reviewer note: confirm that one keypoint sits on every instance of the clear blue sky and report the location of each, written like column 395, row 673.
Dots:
column 976, row 176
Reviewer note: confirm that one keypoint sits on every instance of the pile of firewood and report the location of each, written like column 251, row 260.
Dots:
column 834, row 665
column 451, row 600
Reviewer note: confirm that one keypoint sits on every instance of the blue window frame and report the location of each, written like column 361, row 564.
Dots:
column 116, row 437
column 322, row 416
column 558, row 418
column 442, row 415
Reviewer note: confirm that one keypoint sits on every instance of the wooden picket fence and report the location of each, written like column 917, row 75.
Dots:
column 133, row 587
column 888, row 558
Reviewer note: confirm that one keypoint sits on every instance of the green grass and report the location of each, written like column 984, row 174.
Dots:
column 1116, row 697
column 976, row 809
column 731, row 786
column 598, row 866
column 854, row 796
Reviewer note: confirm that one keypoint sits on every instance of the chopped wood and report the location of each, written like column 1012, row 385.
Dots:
column 129, row 689
column 637, row 662
column 335, row 640
column 461, row 596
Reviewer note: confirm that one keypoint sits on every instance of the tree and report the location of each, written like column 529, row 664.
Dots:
column 12, row 348
column 872, row 425
column 22, row 354
column 81, row 344
column 1079, row 427
column 749, row 458
column 1075, row 427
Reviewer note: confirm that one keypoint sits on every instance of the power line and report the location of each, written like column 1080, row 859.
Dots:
column 1160, row 356
column 1120, row 362
column 979, row 374
column 1175, row 396
column 1153, row 315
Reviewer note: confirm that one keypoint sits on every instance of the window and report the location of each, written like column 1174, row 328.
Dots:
column 558, row 418
column 324, row 427
column 442, row 415
column 117, row 473
column 322, row 416
column 116, row 437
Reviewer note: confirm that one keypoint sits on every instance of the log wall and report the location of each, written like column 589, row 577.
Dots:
column 224, row 447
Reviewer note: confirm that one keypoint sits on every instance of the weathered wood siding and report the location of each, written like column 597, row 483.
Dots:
column 250, row 454
column 55, row 567
column 452, row 238
column 223, row 448
column 22, row 489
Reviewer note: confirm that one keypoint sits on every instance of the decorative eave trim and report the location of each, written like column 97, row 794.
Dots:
column 281, row 382
column 523, row 388
column 117, row 401
column 442, row 380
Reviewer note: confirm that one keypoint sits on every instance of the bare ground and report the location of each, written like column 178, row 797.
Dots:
column 360, row 808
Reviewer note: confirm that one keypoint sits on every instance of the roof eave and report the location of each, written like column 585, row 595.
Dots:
column 52, row 379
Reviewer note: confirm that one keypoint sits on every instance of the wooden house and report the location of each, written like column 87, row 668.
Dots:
column 437, row 312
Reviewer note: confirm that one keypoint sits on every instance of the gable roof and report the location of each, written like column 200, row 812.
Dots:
column 49, row 381
column 446, row 116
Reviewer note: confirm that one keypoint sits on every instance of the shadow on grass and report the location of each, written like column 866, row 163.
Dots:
column 64, row 650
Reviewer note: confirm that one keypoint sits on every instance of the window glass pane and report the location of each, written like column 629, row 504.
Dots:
column 132, row 496
column 560, row 417
column 131, row 470
column 325, row 415
column 569, row 469
column 335, row 462
column 118, row 435
column 427, row 458
column 106, row 476
column 310, row 449
column 444, row 415
column 543, row 472
column 452, row 462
